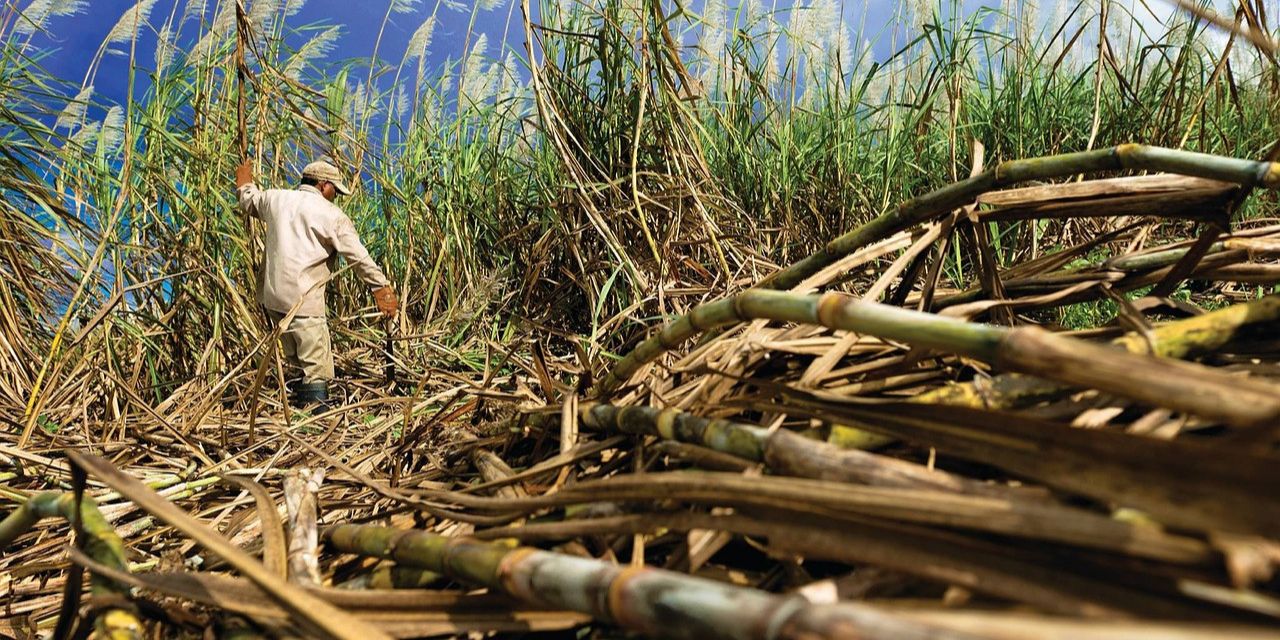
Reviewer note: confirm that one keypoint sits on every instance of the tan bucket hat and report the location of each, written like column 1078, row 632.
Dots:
column 321, row 170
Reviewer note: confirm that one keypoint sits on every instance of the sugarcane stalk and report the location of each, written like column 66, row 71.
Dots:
column 101, row 543
column 935, row 203
column 931, row 554
column 1180, row 339
column 1155, row 259
column 975, row 340
column 652, row 601
column 783, row 452
column 1162, row 382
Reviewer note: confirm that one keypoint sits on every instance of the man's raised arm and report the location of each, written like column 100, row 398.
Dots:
column 246, row 191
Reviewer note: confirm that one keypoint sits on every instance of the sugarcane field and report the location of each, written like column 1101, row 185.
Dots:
column 601, row 319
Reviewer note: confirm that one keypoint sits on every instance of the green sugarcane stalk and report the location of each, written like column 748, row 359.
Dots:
column 938, row 202
column 101, row 543
column 1180, row 339
column 651, row 601
column 976, row 340
column 1163, row 382
column 782, row 451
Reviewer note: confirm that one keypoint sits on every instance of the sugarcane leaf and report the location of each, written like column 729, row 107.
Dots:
column 274, row 547
column 401, row 613
column 324, row 619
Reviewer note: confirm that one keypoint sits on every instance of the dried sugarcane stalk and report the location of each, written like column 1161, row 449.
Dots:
column 932, row 204
column 1161, row 382
column 642, row 599
column 1185, row 483
column 1039, row 520
column 101, row 543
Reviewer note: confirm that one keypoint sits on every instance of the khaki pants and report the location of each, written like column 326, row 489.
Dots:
column 306, row 345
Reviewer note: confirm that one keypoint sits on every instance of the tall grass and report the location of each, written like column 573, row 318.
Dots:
column 633, row 159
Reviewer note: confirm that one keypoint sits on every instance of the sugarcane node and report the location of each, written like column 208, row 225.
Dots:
column 590, row 414
column 619, row 600
column 1127, row 154
column 473, row 561
column 1269, row 175
column 736, row 306
column 421, row 550
column 831, row 305
column 511, row 579
column 666, row 423
column 781, row 616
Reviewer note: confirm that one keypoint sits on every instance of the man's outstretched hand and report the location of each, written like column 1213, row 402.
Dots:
column 385, row 298
column 244, row 173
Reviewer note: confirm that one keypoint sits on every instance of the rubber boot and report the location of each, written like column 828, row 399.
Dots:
column 307, row 394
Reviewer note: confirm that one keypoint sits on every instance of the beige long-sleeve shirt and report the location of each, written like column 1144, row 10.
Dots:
column 304, row 234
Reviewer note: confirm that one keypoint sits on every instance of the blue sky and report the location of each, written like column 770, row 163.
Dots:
column 73, row 41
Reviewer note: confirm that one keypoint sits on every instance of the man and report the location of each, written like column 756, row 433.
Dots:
column 305, row 231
